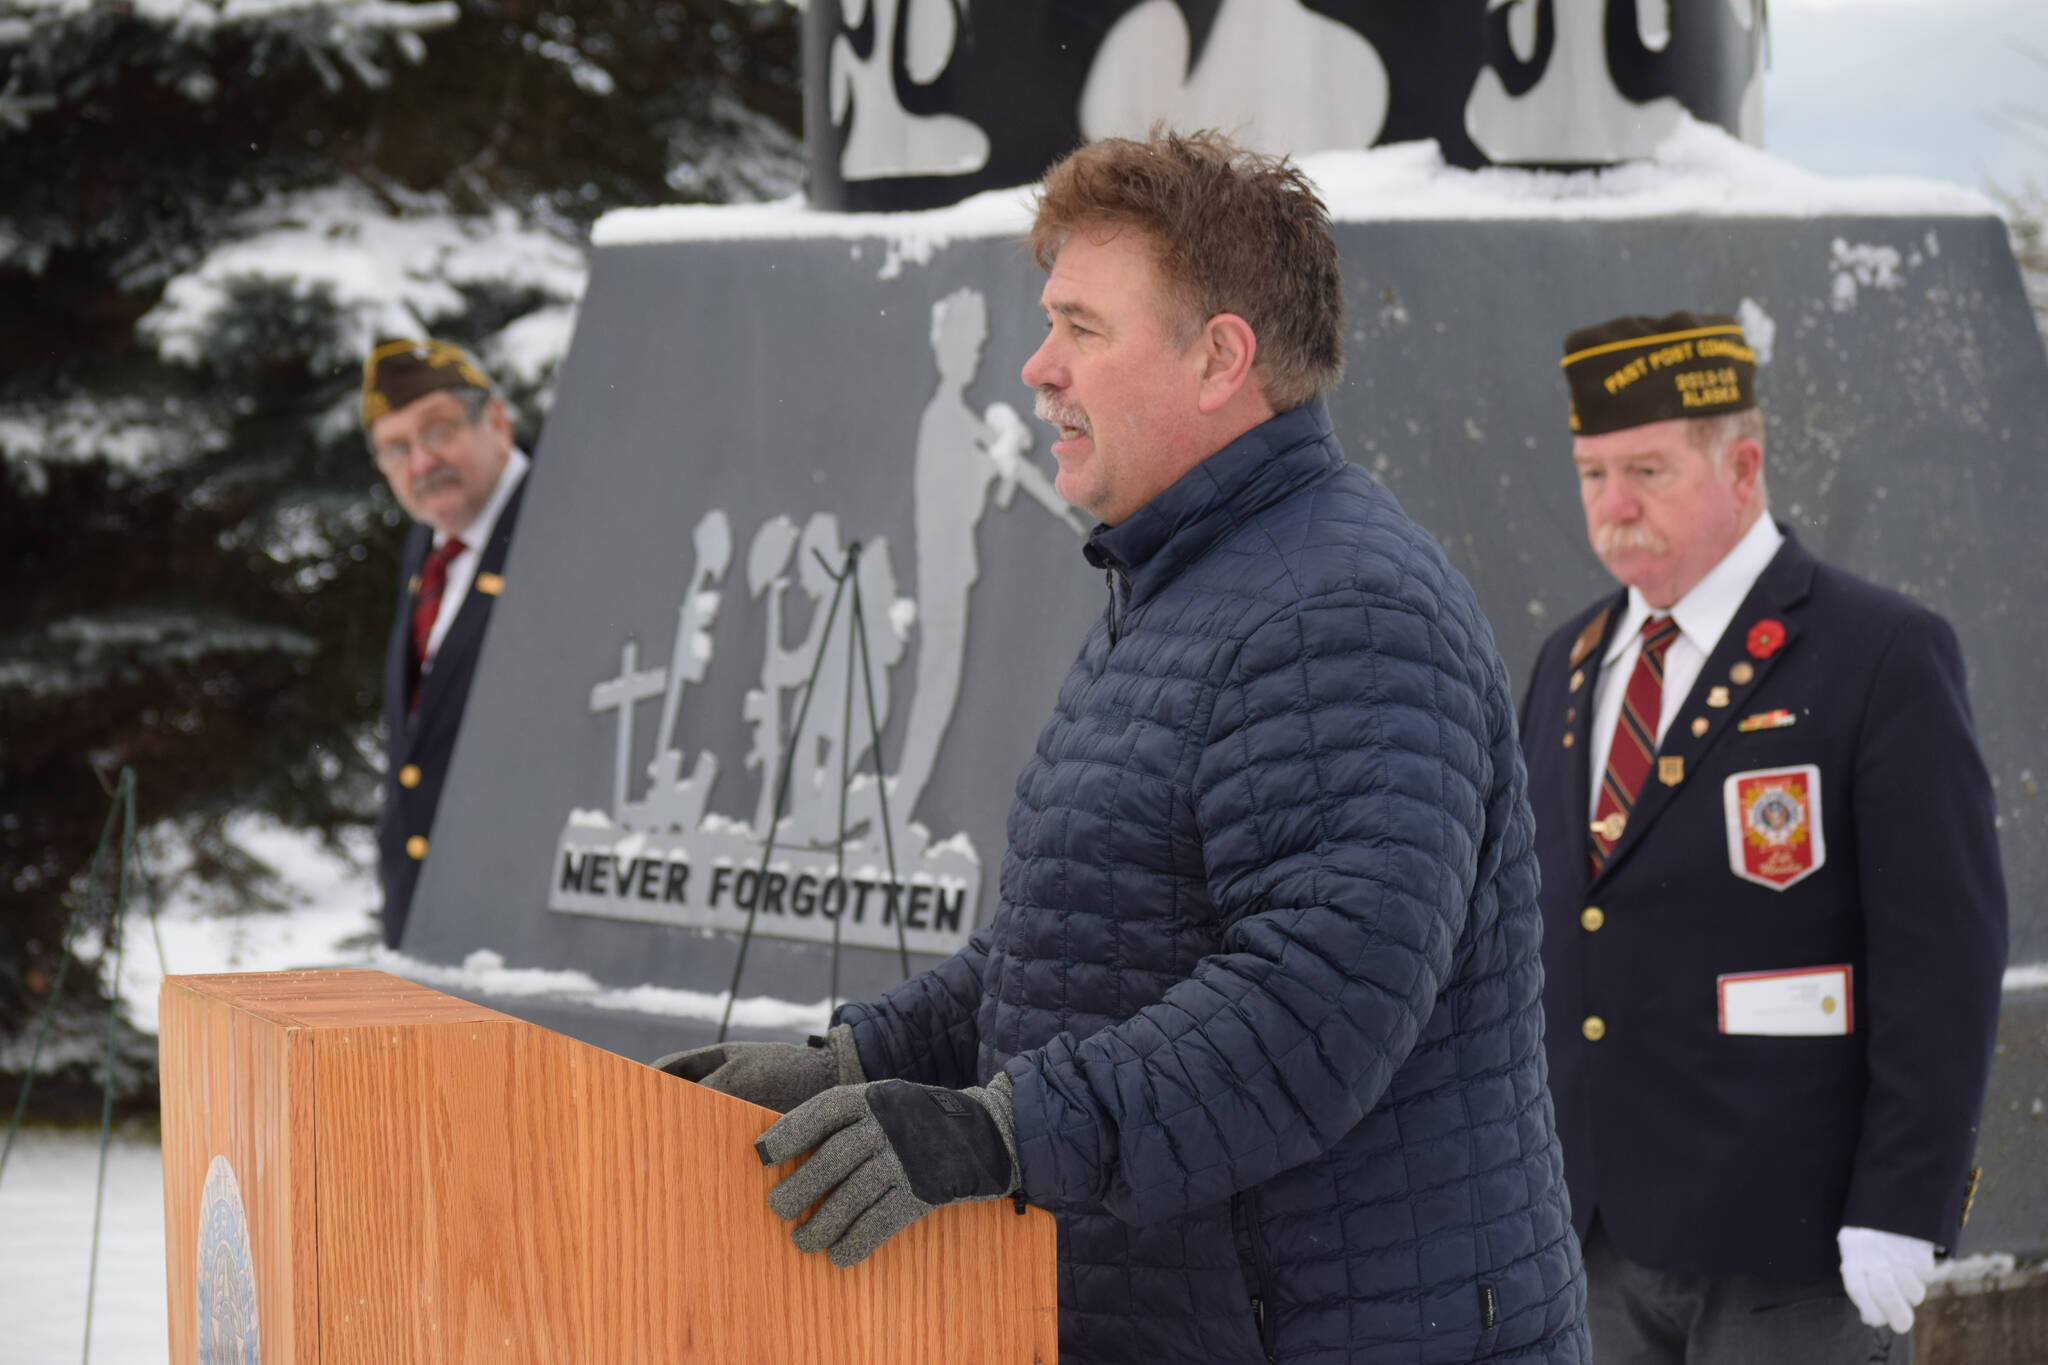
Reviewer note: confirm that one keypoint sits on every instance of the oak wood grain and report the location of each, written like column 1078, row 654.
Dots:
column 233, row 1087
column 443, row 1183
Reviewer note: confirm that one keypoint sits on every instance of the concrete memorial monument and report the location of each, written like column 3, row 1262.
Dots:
column 915, row 103
column 794, row 593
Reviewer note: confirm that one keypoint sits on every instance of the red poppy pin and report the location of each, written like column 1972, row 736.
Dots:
column 1766, row 638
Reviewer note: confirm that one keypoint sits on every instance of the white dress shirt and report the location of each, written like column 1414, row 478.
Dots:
column 462, row 568
column 1702, row 615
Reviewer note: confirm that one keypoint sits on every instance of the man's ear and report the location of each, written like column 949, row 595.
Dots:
column 1746, row 460
column 498, row 418
column 1227, row 348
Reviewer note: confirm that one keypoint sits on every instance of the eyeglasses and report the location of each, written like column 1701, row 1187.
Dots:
column 434, row 436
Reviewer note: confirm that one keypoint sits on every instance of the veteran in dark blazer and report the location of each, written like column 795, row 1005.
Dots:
column 443, row 441
column 1774, row 917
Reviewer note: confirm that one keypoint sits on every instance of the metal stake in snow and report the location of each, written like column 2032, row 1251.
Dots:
column 121, row 809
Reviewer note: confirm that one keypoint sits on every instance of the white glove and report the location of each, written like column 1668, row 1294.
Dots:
column 1886, row 1275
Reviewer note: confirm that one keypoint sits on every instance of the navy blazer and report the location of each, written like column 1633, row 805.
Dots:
column 419, row 745
column 1739, row 1154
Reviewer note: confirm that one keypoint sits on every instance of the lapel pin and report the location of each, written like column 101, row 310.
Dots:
column 1741, row 673
column 1766, row 638
column 1718, row 696
column 1589, row 637
column 412, row 586
column 1766, row 720
column 1671, row 770
column 1578, row 680
column 1699, row 726
column 490, row 584
column 1570, row 739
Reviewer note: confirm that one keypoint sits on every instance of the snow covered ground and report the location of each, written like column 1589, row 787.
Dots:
column 47, row 1189
column 332, row 922
column 46, row 1211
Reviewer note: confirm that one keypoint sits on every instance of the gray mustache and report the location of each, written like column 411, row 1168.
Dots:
column 1050, row 409
column 1612, row 537
column 427, row 483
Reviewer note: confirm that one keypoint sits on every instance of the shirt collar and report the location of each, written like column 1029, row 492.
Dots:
column 1704, row 613
column 478, row 533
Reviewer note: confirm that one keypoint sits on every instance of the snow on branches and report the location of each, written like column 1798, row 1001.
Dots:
column 50, row 50
column 365, row 274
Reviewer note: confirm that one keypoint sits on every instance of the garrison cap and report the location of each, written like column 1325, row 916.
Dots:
column 400, row 370
column 1636, row 370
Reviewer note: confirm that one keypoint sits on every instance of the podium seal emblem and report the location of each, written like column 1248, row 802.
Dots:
column 227, row 1286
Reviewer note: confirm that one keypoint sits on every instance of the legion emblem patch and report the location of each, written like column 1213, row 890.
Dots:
column 1775, row 837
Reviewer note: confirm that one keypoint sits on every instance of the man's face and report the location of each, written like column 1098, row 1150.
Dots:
column 442, row 466
column 1112, row 376
column 1657, row 512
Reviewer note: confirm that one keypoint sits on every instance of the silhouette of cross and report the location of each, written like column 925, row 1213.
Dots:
column 621, row 694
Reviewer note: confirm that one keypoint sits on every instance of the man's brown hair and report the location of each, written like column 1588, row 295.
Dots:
column 1232, row 231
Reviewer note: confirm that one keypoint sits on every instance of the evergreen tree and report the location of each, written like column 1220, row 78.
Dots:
column 2027, row 222
column 207, row 210
column 2026, row 208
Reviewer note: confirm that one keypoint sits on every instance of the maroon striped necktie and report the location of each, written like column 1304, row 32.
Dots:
column 433, row 583
column 1635, row 740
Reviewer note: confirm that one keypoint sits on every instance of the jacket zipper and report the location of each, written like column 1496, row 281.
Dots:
column 1241, row 1223
column 1119, row 604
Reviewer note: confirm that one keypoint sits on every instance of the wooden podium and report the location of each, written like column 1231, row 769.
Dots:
column 360, row 1169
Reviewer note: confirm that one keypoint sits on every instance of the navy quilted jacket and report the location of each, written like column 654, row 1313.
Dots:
column 1264, row 974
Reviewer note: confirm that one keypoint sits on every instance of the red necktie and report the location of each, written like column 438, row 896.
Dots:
column 1635, row 740
column 433, row 582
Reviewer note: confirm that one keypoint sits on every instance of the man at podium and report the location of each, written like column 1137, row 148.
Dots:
column 1258, row 1016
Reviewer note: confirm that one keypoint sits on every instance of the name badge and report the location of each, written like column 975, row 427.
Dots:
column 1810, row 1003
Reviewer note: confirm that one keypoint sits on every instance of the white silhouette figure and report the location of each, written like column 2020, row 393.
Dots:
column 959, row 455
column 1574, row 112
column 767, row 566
column 1278, row 77
column 838, row 709
column 886, row 139
column 674, row 801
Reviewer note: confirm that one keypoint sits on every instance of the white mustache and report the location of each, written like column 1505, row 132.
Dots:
column 1628, row 536
column 1049, row 408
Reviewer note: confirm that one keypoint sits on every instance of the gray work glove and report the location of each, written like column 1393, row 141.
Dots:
column 888, row 1153
column 778, row 1076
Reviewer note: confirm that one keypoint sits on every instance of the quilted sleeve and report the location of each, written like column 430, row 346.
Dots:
column 1340, row 799
column 925, row 1029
